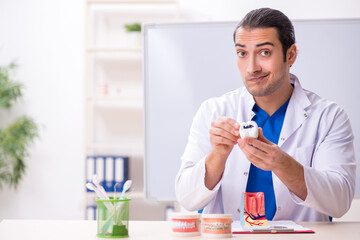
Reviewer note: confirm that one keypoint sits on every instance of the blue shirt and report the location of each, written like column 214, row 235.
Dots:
column 260, row 180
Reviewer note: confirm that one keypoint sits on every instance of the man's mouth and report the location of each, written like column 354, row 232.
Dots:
column 258, row 78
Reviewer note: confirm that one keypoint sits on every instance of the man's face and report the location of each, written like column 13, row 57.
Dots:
column 260, row 60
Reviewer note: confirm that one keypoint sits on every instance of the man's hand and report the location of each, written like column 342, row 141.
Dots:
column 224, row 133
column 263, row 153
column 269, row 157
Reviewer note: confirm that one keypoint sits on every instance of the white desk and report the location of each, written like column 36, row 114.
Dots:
column 62, row 229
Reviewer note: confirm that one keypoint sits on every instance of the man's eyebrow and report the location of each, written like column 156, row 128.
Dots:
column 239, row 45
column 264, row 43
column 257, row 45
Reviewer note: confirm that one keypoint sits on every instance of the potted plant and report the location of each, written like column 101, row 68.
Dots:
column 16, row 136
column 133, row 32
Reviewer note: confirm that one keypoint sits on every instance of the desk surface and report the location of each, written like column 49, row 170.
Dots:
column 63, row 229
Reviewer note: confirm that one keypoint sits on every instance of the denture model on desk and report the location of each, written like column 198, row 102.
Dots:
column 253, row 209
column 185, row 225
column 216, row 225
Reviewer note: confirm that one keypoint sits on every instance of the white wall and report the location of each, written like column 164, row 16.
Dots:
column 47, row 39
column 295, row 9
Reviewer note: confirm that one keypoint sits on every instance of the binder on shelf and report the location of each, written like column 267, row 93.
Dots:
column 90, row 168
column 109, row 173
column 90, row 212
column 110, row 170
column 99, row 169
column 168, row 211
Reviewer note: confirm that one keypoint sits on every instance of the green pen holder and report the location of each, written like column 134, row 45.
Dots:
column 113, row 218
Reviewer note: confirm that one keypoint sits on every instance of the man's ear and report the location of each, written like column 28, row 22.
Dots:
column 291, row 54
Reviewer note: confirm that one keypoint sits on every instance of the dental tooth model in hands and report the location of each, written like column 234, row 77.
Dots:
column 249, row 129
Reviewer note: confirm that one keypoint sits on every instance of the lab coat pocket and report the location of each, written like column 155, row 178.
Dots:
column 304, row 155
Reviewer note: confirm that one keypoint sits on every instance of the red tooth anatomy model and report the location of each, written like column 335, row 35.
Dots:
column 254, row 209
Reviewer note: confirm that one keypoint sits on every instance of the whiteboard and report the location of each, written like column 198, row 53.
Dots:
column 187, row 63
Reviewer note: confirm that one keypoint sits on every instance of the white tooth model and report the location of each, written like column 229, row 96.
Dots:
column 249, row 129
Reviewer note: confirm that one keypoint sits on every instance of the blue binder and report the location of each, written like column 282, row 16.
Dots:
column 111, row 170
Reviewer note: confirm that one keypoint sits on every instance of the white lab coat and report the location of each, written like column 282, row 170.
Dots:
column 316, row 133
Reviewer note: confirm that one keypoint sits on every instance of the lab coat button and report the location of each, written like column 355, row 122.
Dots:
column 282, row 139
column 245, row 173
column 279, row 208
column 253, row 114
column 305, row 115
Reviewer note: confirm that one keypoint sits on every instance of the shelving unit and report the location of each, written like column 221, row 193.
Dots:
column 114, row 91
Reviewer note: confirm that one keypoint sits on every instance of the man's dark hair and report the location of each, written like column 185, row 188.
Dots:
column 270, row 18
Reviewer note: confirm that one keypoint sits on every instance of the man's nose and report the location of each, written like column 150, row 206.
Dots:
column 253, row 66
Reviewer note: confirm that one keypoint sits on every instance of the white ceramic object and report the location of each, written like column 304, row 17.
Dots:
column 249, row 129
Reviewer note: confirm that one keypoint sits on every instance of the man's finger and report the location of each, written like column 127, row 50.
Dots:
column 262, row 137
column 227, row 124
column 224, row 134
column 223, row 141
column 252, row 150
column 258, row 143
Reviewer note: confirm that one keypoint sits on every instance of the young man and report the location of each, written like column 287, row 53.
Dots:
column 303, row 159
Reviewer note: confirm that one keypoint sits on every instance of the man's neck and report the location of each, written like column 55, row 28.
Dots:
column 271, row 103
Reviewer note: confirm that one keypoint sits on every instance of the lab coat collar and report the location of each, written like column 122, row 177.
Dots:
column 299, row 96
column 296, row 112
column 250, row 104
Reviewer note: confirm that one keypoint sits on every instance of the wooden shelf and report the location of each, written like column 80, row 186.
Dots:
column 115, row 98
column 121, row 102
column 115, row 145
column 113, row 50
column 129, row 149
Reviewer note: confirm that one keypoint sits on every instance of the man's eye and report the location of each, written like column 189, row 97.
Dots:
column 265, row 53
column 241, row 54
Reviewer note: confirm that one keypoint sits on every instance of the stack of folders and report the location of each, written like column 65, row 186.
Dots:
column 110, row 170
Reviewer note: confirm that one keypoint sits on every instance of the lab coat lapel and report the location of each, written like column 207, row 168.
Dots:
column 248, row 106
column 296, row 112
